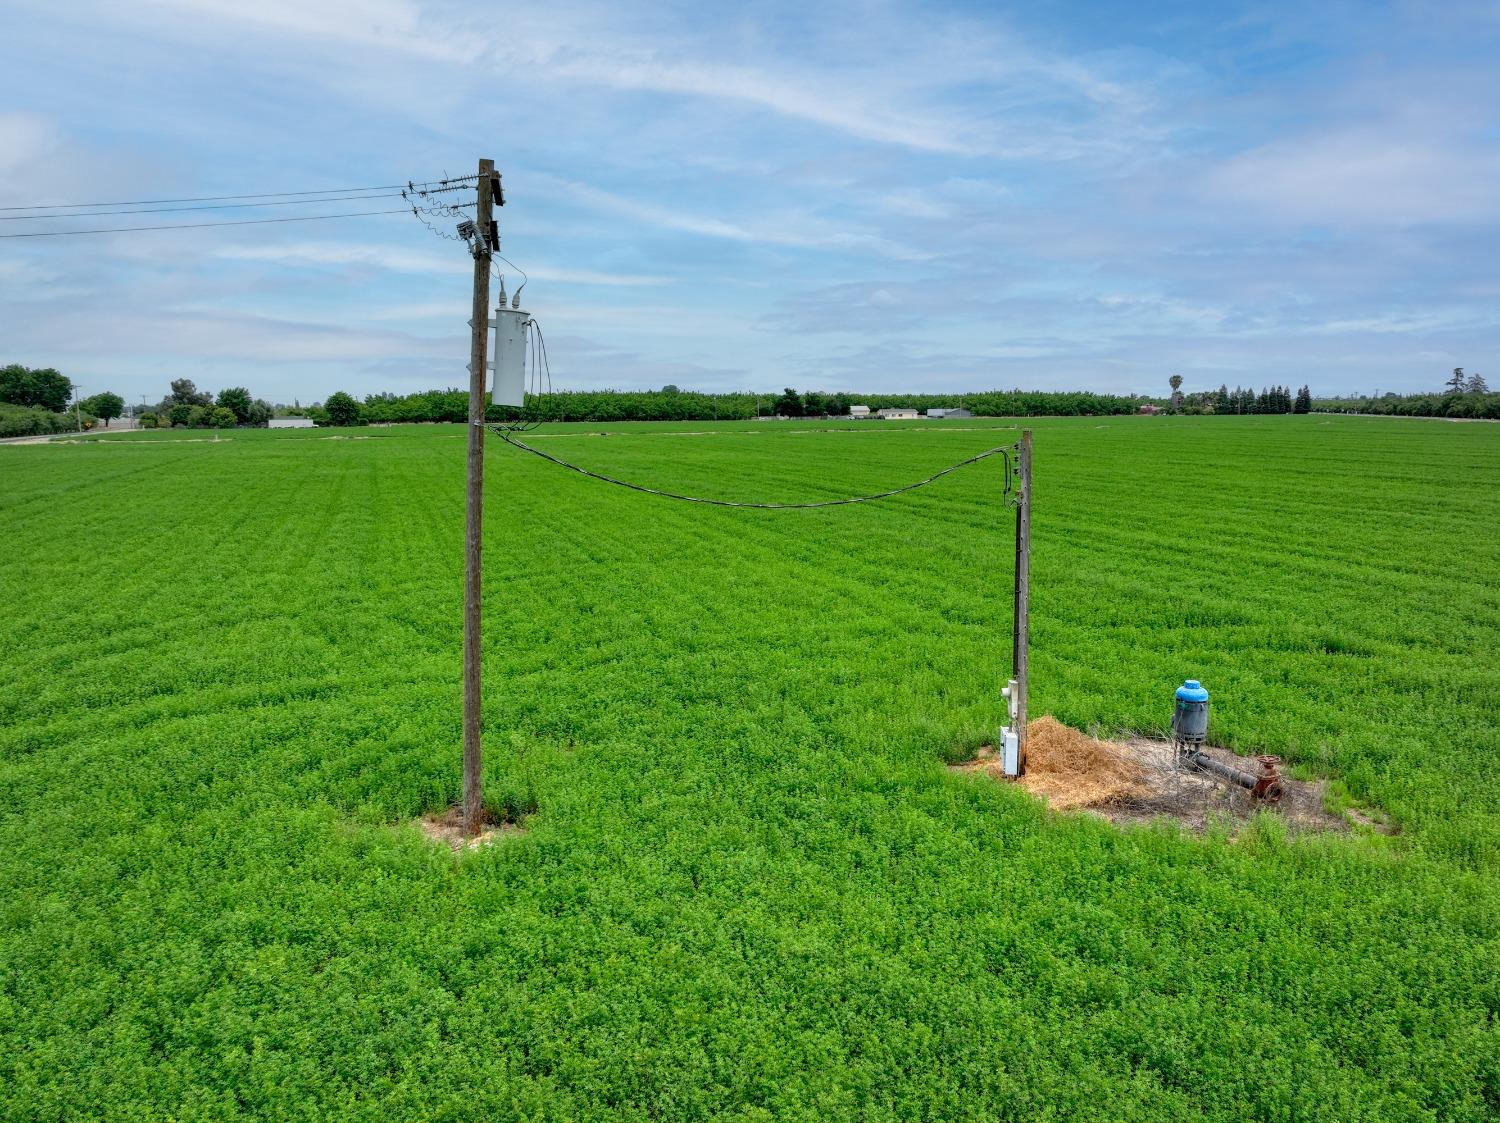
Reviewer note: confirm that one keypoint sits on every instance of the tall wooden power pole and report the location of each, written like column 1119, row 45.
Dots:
column 1022, row 635
column 483, row 246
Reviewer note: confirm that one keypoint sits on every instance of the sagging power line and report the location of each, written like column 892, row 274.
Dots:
column 408, row 185
column 423, row 189
column 1005, row 451
column 199, row 225
column 208, row 207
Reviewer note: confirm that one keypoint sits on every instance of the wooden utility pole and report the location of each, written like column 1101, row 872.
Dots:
column 483, row 247
column 1022, row 635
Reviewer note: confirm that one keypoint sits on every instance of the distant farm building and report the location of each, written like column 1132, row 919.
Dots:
column 1150, row 409
column 898, row 414
column 859, row 411
column 950, row 412
column 290, row 423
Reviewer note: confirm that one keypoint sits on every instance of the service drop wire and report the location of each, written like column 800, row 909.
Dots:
column 1005, row 451
column 537, row 383
column 539, row 373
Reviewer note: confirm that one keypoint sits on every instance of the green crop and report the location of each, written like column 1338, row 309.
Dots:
column 748, row 887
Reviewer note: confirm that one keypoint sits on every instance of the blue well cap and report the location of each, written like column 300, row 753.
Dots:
column 1191, row 691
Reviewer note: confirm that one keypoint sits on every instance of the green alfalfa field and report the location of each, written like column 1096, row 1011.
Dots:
column 748, row 886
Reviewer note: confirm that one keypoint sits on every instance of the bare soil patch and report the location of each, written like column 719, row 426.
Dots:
column 1139, row 780
column 447, row 827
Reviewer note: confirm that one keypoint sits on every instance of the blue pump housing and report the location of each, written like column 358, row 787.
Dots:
column 1190, row 716
column 1192, row 691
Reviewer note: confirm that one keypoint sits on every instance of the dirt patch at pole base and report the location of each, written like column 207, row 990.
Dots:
column 1139, row 780
column 447, row 827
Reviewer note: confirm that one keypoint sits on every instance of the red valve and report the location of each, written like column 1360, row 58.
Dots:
column 1268, row 785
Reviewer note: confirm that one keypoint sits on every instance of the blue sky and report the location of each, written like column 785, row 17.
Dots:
column 872, row 196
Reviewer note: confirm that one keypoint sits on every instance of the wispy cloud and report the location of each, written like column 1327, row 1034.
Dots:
column 801, row 97
column 1364, row 176
column 888, row 195
column 392, row 25
column 791, row 229
column 401, row 260
column 960, row 88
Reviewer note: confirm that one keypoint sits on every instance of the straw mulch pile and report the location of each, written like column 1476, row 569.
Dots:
column 1071, row 769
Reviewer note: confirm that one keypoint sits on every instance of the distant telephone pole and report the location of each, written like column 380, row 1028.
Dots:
column 482, row 247
column 1022, row 637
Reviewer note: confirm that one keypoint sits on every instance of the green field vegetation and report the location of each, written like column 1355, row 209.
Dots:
column 748, row 888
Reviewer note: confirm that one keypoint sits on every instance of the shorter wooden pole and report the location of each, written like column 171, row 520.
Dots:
column 1022, row 633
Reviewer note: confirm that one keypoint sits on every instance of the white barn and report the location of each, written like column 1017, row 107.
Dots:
column 290, row 423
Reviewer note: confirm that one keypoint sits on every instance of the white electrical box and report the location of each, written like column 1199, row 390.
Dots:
column 1010, row 753
column 1010, row 740
column 510, row 356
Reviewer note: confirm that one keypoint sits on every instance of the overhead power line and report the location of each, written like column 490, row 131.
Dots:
column 1001, row 450
column 230, row 198
column 200, row 225
column 209, row 207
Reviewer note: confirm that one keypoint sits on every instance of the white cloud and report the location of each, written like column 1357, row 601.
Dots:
column 393, row 25
column 592, row 277
column 35, row 165
column 901, row 78
column 23, row 137
column 1364, row 176
column 1044, row 210
column 783, row 229
column 837, row 105
column 340, row 253
column 915, row 204
column 401, row 260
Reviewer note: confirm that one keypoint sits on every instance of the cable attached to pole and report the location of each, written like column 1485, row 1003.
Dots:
column 539, row 376
column 199, row 225
column 207, row 207
column 210, row 198
column 1002, row 450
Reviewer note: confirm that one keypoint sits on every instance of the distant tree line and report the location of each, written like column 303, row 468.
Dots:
column 185, row 406
column 35, row 421
column 1240, row 400
column 38, row 401
column 673, row 404
column 32, row 402
column 1462, row 396
column 42, row 387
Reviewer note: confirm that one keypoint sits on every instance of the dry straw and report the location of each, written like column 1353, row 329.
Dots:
column 1072, row 769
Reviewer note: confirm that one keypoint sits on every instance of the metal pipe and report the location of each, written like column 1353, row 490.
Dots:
column 1267, row 786
column 1205, row 763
